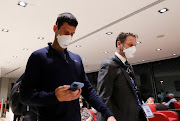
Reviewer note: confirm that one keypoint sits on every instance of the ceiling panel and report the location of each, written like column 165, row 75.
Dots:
column 95, row 18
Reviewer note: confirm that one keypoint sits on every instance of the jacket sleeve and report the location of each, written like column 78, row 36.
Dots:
column 29, row 95
column 91, row 96
column 105, row 83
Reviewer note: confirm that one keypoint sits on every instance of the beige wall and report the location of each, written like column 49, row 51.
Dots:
column 0, row 72
column 5, row 87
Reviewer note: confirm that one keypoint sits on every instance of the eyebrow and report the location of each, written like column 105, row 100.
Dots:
column 69, row 32
column 130, row 42
column 133, row 44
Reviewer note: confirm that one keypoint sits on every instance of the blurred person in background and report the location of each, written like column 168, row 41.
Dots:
column 85, row 114
column 172, row 99
column 150, row 100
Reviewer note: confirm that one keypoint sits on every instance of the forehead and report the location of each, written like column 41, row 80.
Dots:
column 68, row 27
column 130, row 39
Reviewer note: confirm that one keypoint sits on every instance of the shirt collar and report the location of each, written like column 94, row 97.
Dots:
column 120, row 57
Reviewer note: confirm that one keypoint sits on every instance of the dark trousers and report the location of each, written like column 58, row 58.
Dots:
column 30, row 116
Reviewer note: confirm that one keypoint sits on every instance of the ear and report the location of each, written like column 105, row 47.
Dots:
column 118, row 43
column 55, row 28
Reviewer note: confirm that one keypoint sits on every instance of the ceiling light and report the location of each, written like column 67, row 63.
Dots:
column 160, row 36
column 174, row 54
column 78, row 46
column 25, row 49
column 163, row 10
column 138, row 42
column 105, row 52
column 41, row 38
column 5, row 30
column 161, row 81
column 14, row 56
column 158, row 49
column 109, row 33
column 21, row 3
column 143, row 60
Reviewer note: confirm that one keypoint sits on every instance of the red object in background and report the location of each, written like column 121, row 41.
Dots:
column 158, row 117
column 94, row 115
column 0, row 105
column 157, row 103
column 177, row 105
column 153, row 109
column 163, row 115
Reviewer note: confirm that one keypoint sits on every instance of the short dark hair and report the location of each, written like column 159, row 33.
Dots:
column 122, row 37
column 66, row 17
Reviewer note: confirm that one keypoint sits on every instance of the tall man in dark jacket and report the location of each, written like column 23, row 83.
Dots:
column 116, row 82
column 51, row 70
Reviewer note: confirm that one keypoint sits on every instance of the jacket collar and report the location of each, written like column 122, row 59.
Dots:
column 120, row 57
column 51, row 49
column 53, row 52
column 118, row 61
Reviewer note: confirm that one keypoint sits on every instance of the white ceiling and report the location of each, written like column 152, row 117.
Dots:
column 96, row 18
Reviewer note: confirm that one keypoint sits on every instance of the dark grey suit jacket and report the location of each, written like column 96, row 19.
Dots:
column 116, row 90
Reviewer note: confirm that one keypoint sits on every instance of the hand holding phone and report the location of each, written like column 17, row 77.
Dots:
column 63, row 93
column 76, row 85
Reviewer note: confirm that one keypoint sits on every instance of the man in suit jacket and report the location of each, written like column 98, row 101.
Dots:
column 116, row 82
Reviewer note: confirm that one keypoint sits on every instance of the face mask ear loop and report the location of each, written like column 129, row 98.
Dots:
column 57, row 29
column 123, row 49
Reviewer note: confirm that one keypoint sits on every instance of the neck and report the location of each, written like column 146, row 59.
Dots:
column 80, row 109
column 56, row 45
column 121, row 53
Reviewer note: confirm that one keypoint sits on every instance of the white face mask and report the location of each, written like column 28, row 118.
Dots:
column 129, row 52
column 81, row 105
column 64, row 40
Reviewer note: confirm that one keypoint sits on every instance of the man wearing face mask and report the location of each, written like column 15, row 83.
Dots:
column 116, row 82
column 49, row 73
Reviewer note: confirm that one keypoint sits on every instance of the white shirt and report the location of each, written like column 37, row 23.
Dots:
column 120, row 57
